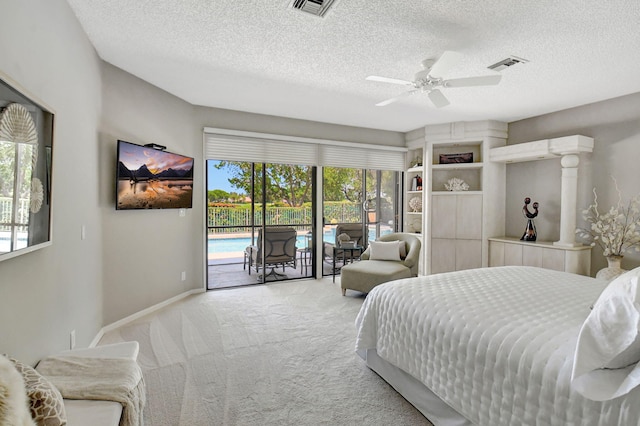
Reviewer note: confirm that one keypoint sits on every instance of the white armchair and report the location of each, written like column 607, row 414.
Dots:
column 368, row 273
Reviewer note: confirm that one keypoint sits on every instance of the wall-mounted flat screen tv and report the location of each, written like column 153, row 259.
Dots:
column 150, row 178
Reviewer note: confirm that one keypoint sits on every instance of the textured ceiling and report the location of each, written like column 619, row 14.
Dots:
column 264, row 57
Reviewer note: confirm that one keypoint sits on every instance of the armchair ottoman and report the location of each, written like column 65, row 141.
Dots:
column 365, row 275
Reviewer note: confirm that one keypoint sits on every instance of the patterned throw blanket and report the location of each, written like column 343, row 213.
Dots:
column 110, row 379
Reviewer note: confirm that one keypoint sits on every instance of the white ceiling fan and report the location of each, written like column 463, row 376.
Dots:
column 430, row 79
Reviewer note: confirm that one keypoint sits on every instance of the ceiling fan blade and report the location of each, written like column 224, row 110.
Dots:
column 485, row 80
column 438, row 99
column 396, row 98
column 444, row 63
column 389, row 80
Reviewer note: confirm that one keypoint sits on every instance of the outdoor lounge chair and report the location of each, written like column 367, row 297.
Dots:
column 279, row 248
column 332, row 252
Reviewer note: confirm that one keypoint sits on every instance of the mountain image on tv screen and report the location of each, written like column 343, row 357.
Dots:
column 148, row 178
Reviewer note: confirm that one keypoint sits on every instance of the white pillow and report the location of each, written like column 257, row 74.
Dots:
column 608, row 349
column 384, row 250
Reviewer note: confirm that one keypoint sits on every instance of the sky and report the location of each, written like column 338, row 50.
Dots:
column 134, row 156
column 218, row 179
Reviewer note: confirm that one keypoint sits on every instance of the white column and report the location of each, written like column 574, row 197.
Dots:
column 569, row 200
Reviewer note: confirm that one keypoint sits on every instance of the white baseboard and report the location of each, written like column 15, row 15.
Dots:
column 140, row 314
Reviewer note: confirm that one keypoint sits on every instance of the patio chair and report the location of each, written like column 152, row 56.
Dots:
column 279, row 248
column 332, row 252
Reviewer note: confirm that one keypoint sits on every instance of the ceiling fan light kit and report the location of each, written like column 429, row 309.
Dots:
column 429, row 80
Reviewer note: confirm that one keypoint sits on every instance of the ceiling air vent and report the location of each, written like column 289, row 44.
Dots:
column 506, row 63
column 314, row 7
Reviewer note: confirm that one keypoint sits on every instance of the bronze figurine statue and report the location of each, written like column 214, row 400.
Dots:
column 530, row 231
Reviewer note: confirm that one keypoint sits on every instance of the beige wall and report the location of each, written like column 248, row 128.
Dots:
column 145, row 251
column 615, row 127
column 227, row 119
column 47, row 293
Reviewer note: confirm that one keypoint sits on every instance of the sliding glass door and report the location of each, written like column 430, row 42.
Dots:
column 366, row 198
column 260, row 220
column 272, row 181
column 382, row 203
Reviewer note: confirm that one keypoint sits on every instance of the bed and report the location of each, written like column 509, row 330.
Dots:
column 498, row 346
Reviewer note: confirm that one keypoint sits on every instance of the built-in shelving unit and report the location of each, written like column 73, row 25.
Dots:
column 415, row 169
column 565, row 254
column 567, row 147
column 507, row 251
column 413, row 218
column 458, row 223
column 458, row 227
column 471, row 172
column 542, row 150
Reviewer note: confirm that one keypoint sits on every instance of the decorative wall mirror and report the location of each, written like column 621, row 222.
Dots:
column 26, row 147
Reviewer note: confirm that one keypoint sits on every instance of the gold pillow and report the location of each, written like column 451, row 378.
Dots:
column 45, row 401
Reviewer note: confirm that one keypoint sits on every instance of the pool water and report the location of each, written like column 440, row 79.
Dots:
column 5, row 242
column 238, row 244
column 227, row 245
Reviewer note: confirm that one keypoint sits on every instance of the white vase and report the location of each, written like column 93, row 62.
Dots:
column 612, row 270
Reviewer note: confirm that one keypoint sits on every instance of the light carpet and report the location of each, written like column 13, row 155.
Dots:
column 275, row 354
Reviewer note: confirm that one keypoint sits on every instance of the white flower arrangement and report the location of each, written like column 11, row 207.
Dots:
column 617, row 230
column 455, row 184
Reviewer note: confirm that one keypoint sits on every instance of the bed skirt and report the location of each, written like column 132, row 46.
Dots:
column 417, row 394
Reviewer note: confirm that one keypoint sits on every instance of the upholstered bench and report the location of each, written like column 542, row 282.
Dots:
column 82, row 412
column 103, row 385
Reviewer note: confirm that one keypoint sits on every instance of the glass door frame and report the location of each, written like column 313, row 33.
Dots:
column 377, row 212
column 364, row 212
column 309, row 244
column 253, row 225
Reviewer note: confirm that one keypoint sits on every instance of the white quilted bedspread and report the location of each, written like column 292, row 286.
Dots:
column 496, row 344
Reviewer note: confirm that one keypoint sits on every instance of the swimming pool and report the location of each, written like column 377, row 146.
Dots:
column 5, row 242
column 219, row 246
column 230, row 245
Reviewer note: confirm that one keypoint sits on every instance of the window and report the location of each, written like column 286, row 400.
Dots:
column 15, row 193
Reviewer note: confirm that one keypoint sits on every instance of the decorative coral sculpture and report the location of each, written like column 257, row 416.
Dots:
column 416, row 204
column 455, row 184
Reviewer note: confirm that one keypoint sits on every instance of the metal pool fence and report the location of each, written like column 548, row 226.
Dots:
column 6, row 210
column 220, row 219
